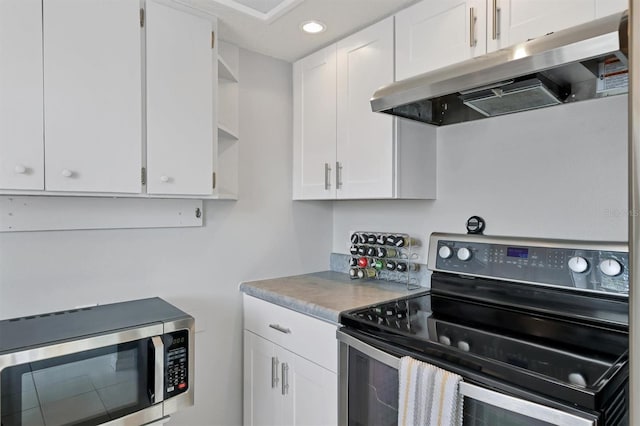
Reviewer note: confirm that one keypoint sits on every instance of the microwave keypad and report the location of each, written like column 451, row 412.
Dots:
column 176, row 380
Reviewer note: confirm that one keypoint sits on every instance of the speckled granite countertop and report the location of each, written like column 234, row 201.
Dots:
column 324, row 294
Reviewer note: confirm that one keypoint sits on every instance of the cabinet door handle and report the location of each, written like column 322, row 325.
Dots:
column 285, row 378
column 274, row 372
column 66, row 173
column 280, row 328
column 327, row 177
column 496, row 12
column 338, row 175
column 20, row 169
column 472, row 27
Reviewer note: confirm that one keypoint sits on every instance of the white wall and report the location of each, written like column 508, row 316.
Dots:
column 264, row 234
column 559, row 172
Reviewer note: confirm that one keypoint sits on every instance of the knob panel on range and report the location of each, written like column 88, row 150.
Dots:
column 580, row 265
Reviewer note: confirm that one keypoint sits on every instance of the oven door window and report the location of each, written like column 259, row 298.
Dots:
column 477, row 413
column 373, row 391
column 484, row 407
column 87, row 388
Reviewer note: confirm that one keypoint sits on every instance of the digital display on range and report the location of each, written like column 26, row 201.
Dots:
column 522, row 253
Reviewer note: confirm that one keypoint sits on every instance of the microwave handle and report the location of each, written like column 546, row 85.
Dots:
column 158, row 364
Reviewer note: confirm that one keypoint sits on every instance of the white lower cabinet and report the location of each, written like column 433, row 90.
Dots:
column 286, row 382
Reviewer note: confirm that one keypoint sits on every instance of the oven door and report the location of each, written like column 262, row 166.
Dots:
column 368, row 394
column 115, row 378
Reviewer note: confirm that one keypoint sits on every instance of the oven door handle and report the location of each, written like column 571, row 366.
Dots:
column 523, row 407
column 158, row 369
column 381, row 356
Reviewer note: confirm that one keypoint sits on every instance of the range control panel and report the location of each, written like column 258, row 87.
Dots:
column 601, row 267
column 176, row 361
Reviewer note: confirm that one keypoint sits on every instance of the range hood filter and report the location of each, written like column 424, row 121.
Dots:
column 516, row 97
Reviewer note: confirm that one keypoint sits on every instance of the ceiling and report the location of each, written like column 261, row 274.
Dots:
column 271, row 27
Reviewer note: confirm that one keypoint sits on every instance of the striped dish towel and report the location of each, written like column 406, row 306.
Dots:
column 428, row 395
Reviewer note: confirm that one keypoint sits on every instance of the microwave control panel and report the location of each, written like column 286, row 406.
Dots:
column 177, row 363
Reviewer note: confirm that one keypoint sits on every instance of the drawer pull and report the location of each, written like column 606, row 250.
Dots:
column 280, row 328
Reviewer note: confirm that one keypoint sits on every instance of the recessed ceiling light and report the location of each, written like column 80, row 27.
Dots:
column 313, row 27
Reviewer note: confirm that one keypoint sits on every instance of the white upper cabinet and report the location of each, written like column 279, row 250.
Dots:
column 342, row 149
column 365, row 140
column 180, row 101
column 608, row 7
column 520, row 20
column 314, row 125
column 21, row 140
column 434, row 34
column 93, row 95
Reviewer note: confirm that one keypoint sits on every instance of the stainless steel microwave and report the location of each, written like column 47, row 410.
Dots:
column 128, row 363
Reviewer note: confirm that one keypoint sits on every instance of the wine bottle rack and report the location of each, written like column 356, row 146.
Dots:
column 388, row 256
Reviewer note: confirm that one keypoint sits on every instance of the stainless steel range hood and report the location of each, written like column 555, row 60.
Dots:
column 584, row 62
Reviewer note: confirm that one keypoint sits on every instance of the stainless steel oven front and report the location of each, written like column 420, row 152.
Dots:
column 120, row 364
column 368, row 394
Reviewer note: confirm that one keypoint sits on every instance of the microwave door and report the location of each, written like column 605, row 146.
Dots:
column 87, row 387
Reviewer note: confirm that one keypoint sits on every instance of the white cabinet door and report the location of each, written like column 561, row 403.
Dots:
column 260, row 384
column 92, row 95
column 285, row 392
column 315, row 393
column 521, row 20
column 21, row 141
column 180, row 121
column 608, row 7
column 433, row 34
column 365, row 139
column 314, row 125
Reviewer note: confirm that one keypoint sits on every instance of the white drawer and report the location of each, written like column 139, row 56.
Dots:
column 301, row 334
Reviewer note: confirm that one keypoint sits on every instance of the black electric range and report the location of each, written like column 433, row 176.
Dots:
column 547, row 317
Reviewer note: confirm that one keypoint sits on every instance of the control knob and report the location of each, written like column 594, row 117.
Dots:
column 577, row 379
column 610, row 267
column 445, row 252
column 464, row 346
column 578, row 264
column 445, row 340
column 464, row 254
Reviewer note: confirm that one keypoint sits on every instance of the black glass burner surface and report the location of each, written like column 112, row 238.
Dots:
column 553, row 355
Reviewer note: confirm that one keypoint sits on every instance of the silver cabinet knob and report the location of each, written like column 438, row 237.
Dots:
column 20, row 169
column 66, row 173
column 164, row 179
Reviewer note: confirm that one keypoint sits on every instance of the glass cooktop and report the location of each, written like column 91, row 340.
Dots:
column 556, row 355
